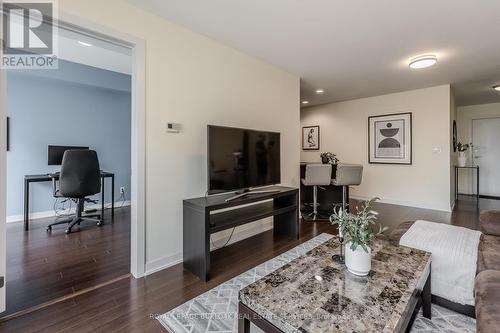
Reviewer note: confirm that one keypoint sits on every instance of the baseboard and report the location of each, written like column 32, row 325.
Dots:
column 169, row 261
column 403, row 203
column 51, row 213
column 162, row 263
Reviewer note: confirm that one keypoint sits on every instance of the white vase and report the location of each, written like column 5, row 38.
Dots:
column 462, row 159
column 358, row 262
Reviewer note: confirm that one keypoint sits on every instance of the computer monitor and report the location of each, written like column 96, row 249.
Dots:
column 56, row 153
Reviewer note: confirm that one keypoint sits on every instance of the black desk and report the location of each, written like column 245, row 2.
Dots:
column 28, row 179
column 456, row 179
column 202, row 217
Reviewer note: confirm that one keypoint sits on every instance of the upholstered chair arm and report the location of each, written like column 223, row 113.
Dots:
column 489, row 222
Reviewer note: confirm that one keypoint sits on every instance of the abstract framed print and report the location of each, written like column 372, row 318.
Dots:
column 390, row 139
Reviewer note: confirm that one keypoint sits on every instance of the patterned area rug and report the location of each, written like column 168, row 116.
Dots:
column 216, row 310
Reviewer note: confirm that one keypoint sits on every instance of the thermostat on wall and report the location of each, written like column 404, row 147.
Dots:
column 173, row 128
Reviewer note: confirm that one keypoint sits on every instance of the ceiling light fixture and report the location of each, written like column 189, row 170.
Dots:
column 423, row 61
column 497, row 87
column 305, row 102
column 320, row 91
column 84, row 43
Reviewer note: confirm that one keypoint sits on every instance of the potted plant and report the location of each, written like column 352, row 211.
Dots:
column 329, row 158
column 358, row 229
column 462, row 149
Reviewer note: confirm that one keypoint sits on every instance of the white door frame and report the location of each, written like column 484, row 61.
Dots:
column 138, row 141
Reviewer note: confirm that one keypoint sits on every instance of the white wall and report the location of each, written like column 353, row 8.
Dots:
column 344, row 131
column 195, row 81
column 465, row 115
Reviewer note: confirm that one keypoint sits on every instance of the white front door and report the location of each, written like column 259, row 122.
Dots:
column 3, row 186
column 486, row 154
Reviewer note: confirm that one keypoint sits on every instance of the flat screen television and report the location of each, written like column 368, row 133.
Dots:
column 240, row 159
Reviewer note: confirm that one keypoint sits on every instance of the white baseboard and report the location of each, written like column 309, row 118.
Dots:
column 51, row 213
column 162, row 263
column 239, row 234
column 404, row 203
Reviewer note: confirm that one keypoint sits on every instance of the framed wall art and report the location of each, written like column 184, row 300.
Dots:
column 389, row 139
column 310, row 138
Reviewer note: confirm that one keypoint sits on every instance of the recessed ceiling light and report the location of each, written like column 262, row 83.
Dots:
column 320, row 91
column 423, row 61
column 305, row 102
column 497, row 87
column 84, row 43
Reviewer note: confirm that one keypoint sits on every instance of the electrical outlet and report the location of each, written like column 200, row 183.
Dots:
column 122, row 190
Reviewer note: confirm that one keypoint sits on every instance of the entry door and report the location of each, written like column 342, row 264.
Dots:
column 3, row 186
column 486, row 153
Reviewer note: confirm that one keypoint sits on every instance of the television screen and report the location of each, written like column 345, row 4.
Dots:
column 241, row 158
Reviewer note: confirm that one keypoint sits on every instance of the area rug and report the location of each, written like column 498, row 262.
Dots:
column 216, row 310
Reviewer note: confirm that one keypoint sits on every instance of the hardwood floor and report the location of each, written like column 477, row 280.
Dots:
column 129, row 305
column 44, row 266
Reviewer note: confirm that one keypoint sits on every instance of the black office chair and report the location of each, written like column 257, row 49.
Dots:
column 80, row 177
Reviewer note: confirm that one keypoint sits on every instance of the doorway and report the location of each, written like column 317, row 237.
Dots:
column 486, row 154
column 134, row 252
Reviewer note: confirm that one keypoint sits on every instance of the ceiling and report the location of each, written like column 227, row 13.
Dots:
column 352, row 48
column 101, row 54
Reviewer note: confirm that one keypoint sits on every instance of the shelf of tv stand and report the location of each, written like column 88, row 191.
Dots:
column 205, row 216
column 233, row 218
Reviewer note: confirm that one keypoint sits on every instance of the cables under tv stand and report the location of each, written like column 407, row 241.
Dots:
column 227, row 242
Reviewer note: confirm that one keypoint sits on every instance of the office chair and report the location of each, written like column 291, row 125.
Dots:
column 317, row 175
column 80, row 177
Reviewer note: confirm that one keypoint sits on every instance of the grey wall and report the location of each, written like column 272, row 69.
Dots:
column 74, row 105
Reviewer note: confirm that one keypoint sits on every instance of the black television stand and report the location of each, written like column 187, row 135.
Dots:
column 246, row 192
column 207, row 215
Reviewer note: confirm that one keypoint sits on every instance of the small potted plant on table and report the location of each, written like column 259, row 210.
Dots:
column 462, row 149
column 330, row 158
column 357, row 227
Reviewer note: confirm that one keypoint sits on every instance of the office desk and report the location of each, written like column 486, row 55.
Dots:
column 28, row 179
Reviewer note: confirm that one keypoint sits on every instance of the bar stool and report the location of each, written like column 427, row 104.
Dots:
column 317, row 175
column 347, row 175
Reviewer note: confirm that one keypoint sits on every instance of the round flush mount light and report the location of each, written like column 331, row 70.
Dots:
column 84, row 43
column 320, row 91
column 423, row 61
column 497, row 87
column 305, row 102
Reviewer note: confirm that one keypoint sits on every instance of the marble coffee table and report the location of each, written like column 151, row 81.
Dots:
column 315, row 294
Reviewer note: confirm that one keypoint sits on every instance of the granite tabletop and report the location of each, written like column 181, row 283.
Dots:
column 315, row 294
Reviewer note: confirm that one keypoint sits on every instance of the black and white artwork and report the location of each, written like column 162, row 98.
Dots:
column 390, row 139
column 310, row 138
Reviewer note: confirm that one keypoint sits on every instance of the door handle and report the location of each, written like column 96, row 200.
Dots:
column 2, row 281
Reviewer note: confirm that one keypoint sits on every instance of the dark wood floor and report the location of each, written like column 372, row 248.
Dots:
column 129, row 305
column 44, row 266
